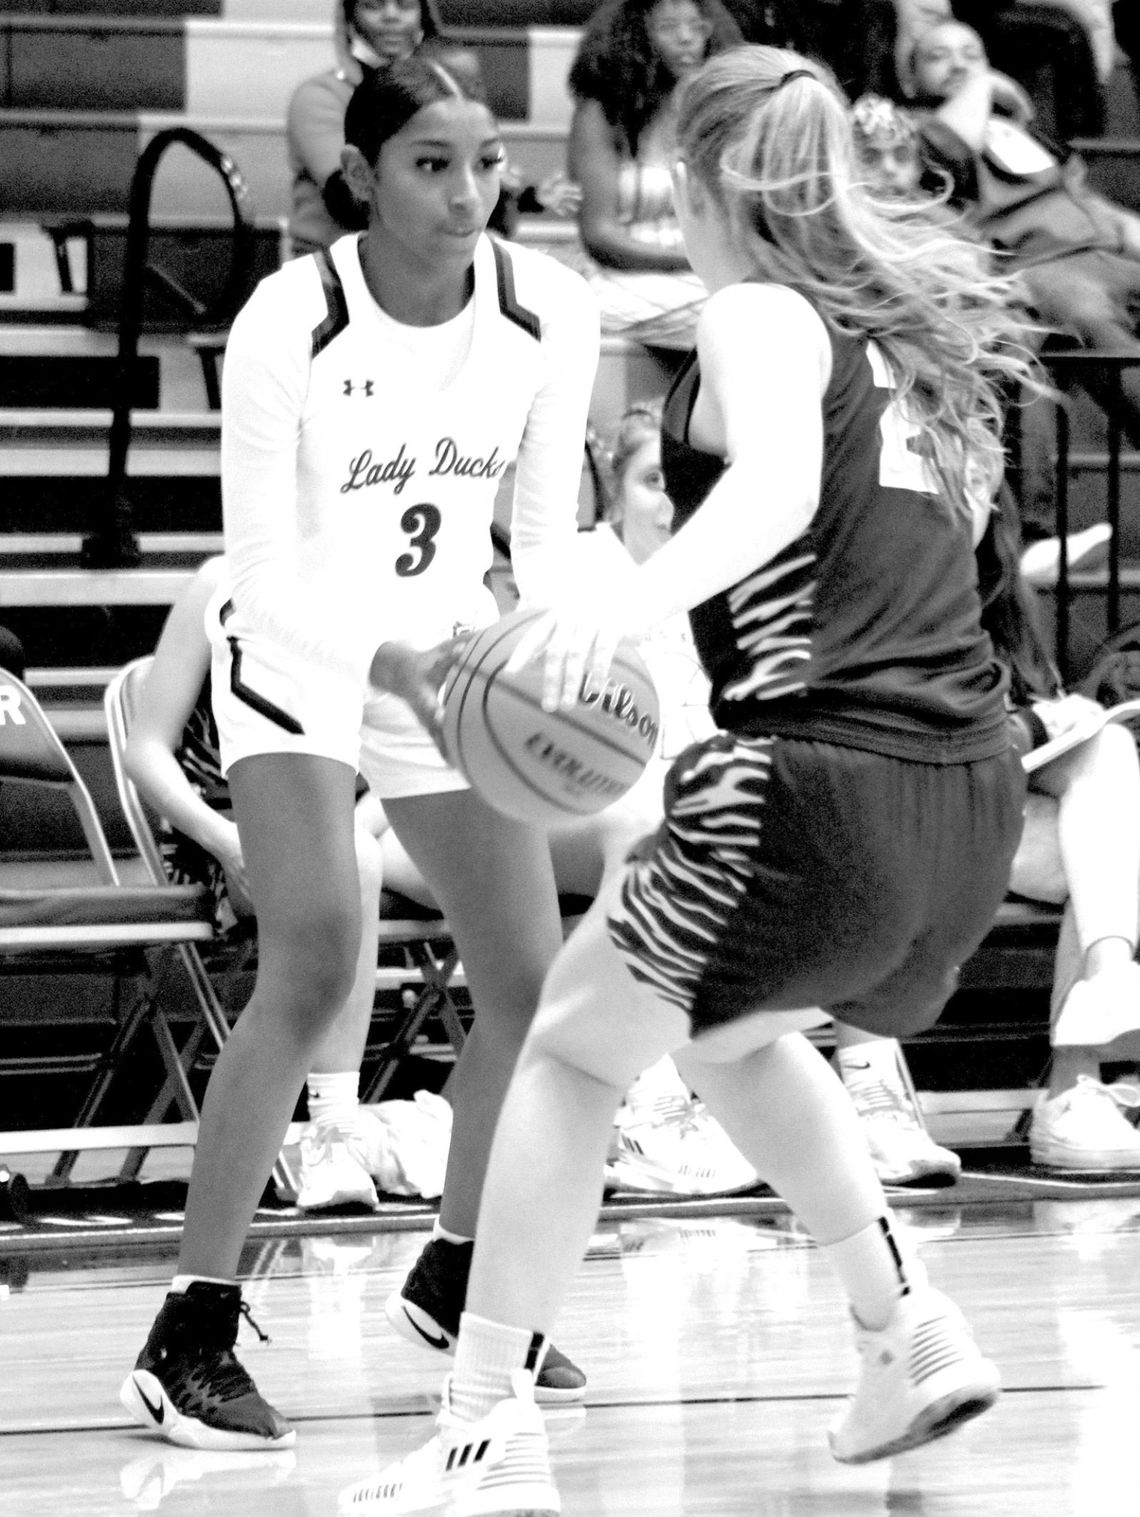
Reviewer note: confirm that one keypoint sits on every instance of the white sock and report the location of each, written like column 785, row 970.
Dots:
column 182, row 1283
column 439, row 1231
column 333, row 1097
column 485, row 1356
column 876, row 1269
column 877, row 1059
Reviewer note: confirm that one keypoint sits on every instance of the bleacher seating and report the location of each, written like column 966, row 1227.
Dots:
column 82, row 92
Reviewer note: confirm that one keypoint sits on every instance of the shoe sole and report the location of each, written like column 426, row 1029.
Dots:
column 1086, row 1163
column 141, row 1393
column 940, row 1178
column 642, row 1181
column 419, row 1327
column 942, row 1416
column 342, row 1201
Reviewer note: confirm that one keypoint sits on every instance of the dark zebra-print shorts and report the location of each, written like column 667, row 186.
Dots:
column 789, row 874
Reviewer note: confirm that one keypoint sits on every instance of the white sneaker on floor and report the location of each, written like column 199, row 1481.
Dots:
column 1100, row 1010
column 666, row 1143
column 334, row 1168
column 902, row 1150
column 921, row 1377
column 500, row 1464
column 1085, row 1128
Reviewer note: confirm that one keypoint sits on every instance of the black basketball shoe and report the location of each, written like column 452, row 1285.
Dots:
column 188, row 1386
column 427, row 1308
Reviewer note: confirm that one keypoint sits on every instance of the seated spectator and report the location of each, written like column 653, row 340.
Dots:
column 368, row 35
column 623, row 80
column 1081, row 846
column 172, row 756
column 664, row 1140
column 886, row 142
column 640, row 516
column 1046, row 48
column 1076, row 253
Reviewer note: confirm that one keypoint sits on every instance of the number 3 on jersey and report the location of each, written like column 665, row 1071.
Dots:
column 901, row 464
column 422, row 524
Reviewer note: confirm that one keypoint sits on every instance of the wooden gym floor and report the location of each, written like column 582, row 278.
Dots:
column 717, row 1352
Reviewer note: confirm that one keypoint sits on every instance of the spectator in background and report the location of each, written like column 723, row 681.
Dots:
column 1081, row 844
column 370, row 34
column 1048, row 47
column 172, row 754
column 887, row 145
column 1080, row 847
column 1076, row 253
column 631, row 59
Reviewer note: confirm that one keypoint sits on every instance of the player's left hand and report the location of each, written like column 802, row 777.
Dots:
column 577, row 644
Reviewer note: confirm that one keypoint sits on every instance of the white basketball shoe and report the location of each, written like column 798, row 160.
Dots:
column 921, row 1377
column 496, row 1466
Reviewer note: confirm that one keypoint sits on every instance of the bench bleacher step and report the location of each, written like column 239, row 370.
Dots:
column 159, row 549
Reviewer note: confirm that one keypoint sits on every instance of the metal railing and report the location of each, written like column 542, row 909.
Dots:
column 112, row 543
column 1098, row 374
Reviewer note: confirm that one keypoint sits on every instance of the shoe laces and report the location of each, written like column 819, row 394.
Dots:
column 219, row 1372
column 321, row 1137
column 1124, row 1096
column 882, row 1100
column 666, row 1110
column 247, row 1313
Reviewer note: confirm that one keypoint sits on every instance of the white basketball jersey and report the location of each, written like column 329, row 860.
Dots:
column 359, row 488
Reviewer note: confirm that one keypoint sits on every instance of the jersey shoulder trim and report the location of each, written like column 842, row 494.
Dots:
column 509, row 303
column 336, row 303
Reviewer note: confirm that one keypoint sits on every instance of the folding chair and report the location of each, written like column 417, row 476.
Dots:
column 419, row 961
column 120, row 703
column 128, row 930
column 419, row 939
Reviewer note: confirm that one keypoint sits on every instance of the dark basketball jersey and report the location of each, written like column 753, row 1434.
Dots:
column 866, row 630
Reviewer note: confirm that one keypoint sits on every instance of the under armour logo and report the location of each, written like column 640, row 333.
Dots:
column 350, row 388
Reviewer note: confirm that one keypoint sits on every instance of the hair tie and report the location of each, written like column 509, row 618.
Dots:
column 796, row 73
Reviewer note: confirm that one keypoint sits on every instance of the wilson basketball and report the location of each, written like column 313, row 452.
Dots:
column 546, row 766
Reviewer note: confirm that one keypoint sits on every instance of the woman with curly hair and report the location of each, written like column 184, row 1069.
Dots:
column 624, row 80
column 843, row 841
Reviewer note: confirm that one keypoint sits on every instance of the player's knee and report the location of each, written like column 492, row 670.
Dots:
column 314, row 966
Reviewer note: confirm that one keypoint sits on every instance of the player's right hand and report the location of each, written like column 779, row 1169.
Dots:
column 417, row 676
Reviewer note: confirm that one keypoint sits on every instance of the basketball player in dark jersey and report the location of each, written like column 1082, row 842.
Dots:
column 842, row 842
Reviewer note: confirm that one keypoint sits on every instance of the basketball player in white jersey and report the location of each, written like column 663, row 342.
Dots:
column 373, row 397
